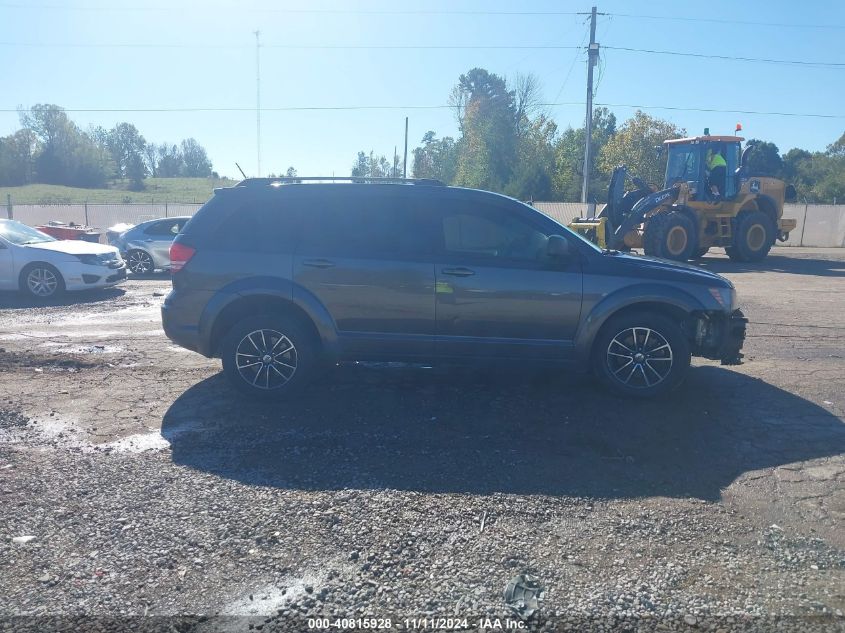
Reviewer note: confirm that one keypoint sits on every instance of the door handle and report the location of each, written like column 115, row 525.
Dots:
column 457, row 272
column 318, row 263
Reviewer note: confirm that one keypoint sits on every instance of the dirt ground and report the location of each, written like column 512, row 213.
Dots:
column 152, row 489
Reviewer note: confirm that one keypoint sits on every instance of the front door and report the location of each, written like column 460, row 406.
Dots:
column 499, row 295
column 363, row 253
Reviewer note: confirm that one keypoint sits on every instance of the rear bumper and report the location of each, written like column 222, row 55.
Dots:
column 181, row 319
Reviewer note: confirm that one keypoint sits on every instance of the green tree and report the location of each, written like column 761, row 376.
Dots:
column 371, row 166
column 195, row 162
column 569, row 159
column 487, row 116
column 435, row 158
column 634, row 145
column 64, row 154
column 170, row 162
column 17, row 158
column 532, row 177
column 126, row 146
column 764, row 159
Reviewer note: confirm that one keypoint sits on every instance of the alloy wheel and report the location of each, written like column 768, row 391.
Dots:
column 639, row 357
column 266, row 359
column 140, row 263
column 42, row 282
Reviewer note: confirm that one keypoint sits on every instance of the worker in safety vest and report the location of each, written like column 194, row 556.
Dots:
column 718, row 168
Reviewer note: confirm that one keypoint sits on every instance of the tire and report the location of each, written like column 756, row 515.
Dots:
column 754, row 236
column 670, row 235
column 41, row 281
column 140, row 262
column 659, row 340
column 255, row 337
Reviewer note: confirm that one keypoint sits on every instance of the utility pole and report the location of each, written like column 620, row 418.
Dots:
column 258, row 101
column 405, row 160
column 592, row 60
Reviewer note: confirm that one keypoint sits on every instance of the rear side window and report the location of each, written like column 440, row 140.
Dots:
column 258, row 225
column 365, row 224
column 165, row 228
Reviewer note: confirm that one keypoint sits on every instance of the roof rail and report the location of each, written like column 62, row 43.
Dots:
column 258, row 182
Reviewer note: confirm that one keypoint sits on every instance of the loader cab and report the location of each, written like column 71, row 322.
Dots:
column 687, row 162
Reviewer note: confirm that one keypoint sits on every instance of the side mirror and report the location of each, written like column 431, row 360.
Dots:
column 790, row 194
column 558, row 247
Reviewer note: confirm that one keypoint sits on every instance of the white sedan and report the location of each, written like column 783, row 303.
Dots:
column 42, row 266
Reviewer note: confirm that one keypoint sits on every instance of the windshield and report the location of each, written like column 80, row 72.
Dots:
column 21, row 234
column 683, row 164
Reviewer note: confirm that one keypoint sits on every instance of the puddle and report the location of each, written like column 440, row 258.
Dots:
column 64, row 432
column 138, row 443
column 84, row 349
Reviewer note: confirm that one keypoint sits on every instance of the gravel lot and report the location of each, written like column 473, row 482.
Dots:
column 152, row 489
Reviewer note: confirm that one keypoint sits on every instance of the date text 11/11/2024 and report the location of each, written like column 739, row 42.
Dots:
column 418, row 624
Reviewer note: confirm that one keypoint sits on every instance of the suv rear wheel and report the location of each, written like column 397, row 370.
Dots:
column 269, row 356
column 641, row 354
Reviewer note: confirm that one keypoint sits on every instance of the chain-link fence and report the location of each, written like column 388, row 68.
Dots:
column 100, row 216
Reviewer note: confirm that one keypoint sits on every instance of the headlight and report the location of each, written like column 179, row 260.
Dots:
column 91, row 260
column 726, row 297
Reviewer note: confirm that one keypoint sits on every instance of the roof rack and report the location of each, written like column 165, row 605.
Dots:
column 258, row 182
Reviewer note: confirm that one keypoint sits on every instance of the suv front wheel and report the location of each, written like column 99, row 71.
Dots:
column 268, row 356
column 641, row 354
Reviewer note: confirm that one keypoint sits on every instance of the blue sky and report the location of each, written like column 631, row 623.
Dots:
column 202, row 55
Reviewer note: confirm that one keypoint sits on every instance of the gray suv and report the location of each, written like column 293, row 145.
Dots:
column 281, row 277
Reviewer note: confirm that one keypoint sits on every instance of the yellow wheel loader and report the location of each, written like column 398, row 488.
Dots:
column 698, row 208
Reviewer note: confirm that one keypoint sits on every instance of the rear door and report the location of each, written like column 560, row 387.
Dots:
column 8, row 279
column 365, row 254
column 499, row 296
column 159, row 236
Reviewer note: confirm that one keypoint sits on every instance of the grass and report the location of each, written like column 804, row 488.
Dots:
column 155, row 190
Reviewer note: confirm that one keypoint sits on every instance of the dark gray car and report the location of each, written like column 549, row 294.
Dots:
column 146, row 246
column 277, row 277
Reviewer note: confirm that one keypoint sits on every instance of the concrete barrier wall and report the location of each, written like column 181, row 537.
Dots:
column 820, row 225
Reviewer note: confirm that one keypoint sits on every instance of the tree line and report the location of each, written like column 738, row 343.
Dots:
column 507, row 143
column 51, row 149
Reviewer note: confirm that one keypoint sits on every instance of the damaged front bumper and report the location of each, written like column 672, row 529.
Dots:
column 720, row 336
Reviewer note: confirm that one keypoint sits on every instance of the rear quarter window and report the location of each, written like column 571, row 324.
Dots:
column 258, row 224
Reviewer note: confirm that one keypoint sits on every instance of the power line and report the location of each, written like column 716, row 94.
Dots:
column 816, row 64
column 784, row 25
column 15, row 5
column 291, row 46
column 729, row 57
column 429, row 107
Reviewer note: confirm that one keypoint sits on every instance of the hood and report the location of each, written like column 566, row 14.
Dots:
column 74, row 247
column 666, row 269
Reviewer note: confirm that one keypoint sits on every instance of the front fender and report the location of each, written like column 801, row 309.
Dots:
column 651, row 296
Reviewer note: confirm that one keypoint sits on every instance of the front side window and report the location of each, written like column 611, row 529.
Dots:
column 491, row 233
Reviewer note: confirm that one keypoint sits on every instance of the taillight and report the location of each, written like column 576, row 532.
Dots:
column 179, row 256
